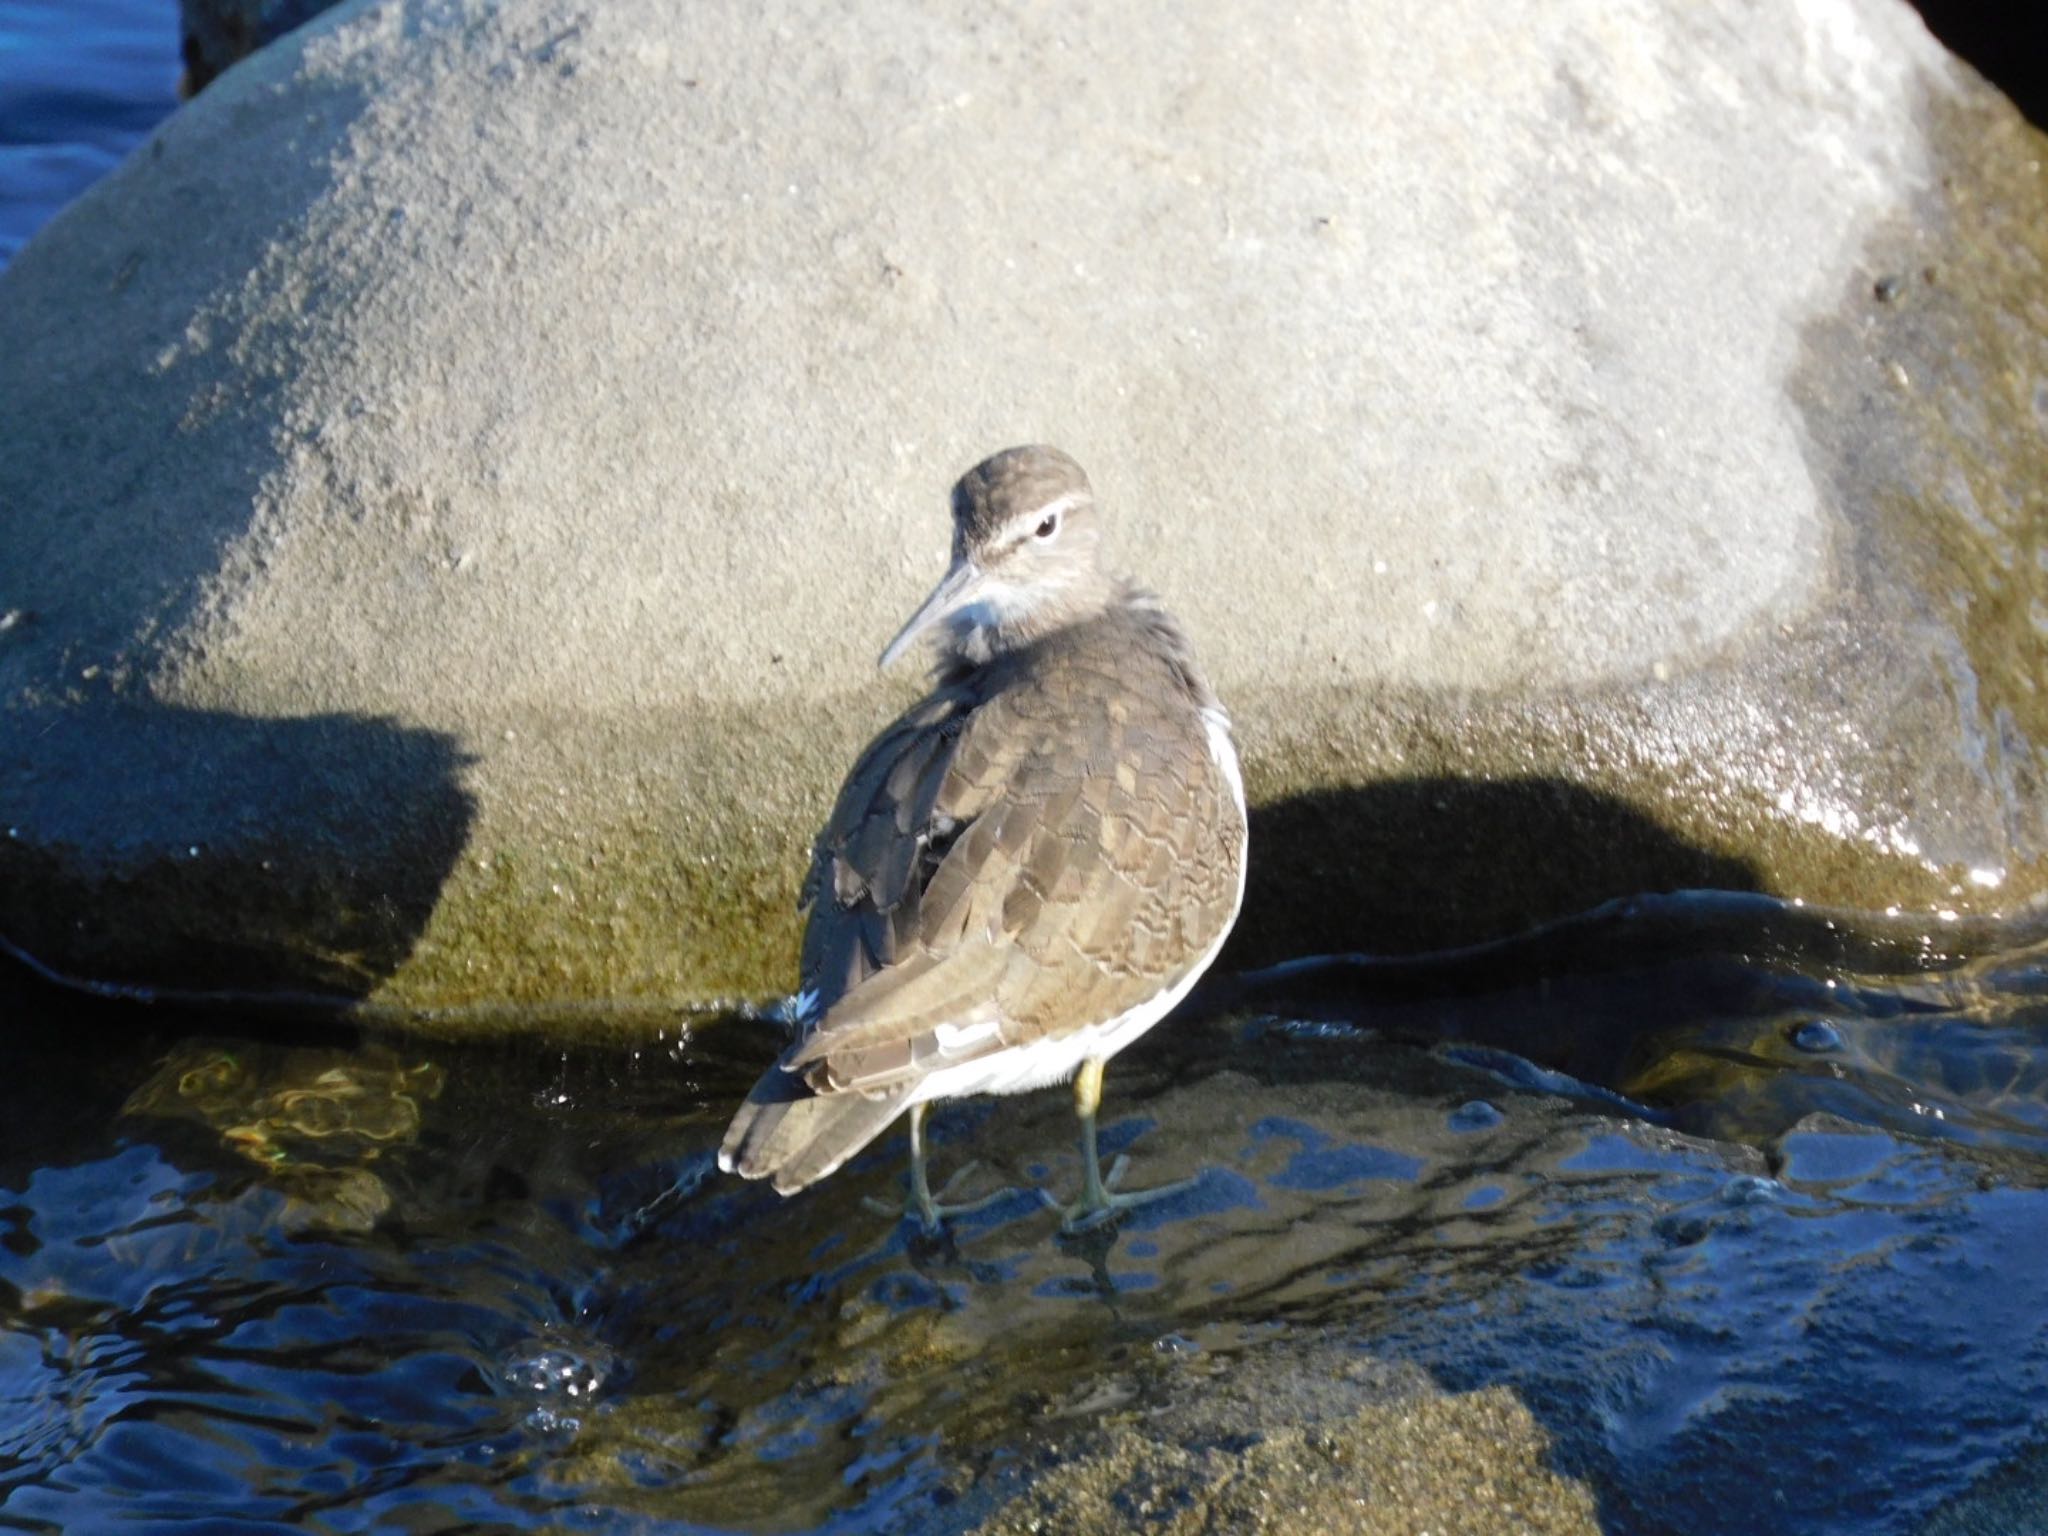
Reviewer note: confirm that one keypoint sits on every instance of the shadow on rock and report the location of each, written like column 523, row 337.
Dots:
column 1412, row 865
column 190, row 888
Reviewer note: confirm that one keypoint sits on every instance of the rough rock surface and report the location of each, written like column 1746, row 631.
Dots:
column 460, row 470
column 2006, row 1502
column 1475, row 1463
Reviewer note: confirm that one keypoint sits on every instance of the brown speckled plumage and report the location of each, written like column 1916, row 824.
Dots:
column 1040, row 846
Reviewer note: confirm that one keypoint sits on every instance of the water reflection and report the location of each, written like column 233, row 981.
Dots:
column 373, row 1285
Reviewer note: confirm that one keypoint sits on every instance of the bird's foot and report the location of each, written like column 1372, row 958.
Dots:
column 930, row 1211
column 1101, row 1201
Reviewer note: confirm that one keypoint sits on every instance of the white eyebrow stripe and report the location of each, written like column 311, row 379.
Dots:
column 1052, row 508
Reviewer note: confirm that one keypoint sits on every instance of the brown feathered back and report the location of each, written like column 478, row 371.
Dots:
column 1041, row 845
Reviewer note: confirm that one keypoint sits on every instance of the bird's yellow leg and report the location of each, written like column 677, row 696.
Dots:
column 921, row 1204
column 1095, row 1202
column 1088, row 1089
column 920, row 1182
column 1100, row 1199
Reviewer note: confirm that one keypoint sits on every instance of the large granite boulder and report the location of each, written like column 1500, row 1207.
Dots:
column 459, row 472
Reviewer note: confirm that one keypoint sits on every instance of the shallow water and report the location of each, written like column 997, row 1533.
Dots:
column 1659, row 1183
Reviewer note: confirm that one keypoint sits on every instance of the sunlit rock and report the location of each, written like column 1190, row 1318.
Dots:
column 459, row 472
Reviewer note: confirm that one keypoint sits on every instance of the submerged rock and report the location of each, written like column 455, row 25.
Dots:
column 460, row 470
column 2007, row 1502
column 313, row 1119
column 1474, row 1463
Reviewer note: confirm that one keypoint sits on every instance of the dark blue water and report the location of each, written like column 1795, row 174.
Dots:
column 1759, row 1241
column 81, row 81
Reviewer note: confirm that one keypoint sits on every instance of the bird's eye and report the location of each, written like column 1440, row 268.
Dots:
column 1049, row 527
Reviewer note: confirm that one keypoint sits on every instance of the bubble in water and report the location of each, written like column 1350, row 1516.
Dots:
column 1817, row 1035
column 555, row 1370
column 1750, row 1189
column 1478, row 1115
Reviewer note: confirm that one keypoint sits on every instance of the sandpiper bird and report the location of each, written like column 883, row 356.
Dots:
column 1025, row 872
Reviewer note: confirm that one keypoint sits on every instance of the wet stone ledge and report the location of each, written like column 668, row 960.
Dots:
column 452, row 612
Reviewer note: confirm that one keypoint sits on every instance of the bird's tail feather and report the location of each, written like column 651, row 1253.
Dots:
column 786, row 1134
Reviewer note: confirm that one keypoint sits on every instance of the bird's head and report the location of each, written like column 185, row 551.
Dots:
column 1025, row 542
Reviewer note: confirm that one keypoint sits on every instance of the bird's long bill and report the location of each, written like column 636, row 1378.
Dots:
column 956, row 589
